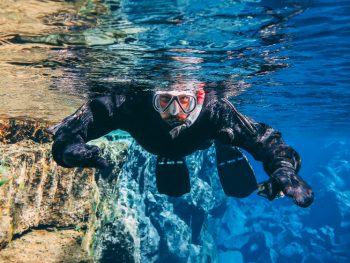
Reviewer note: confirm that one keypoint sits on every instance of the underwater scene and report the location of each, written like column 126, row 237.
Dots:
column 285, row 63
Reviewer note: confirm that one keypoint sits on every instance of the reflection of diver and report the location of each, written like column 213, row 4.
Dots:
column 174, row 124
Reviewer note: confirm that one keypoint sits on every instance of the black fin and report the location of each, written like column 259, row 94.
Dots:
column 236, row 175
column 172, row 177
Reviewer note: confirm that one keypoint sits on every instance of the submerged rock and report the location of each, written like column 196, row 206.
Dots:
column 46, row 246
column 125, row 218
column 282, row 232
column 38, row 192
column 13, row 130
column 131, row 216
column 34, row 191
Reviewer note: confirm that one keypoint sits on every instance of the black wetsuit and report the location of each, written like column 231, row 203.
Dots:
column 218, row 120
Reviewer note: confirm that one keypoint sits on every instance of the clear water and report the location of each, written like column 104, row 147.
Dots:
column 286, row 63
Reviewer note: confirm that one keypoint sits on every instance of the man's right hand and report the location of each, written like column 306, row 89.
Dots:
column 83, row 155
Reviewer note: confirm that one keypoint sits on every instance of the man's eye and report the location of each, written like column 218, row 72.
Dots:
column 165, row 99
column 184, row 99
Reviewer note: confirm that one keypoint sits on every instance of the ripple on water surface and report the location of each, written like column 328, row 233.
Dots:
column 289, row 58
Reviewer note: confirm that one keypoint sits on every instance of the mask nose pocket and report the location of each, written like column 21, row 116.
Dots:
column 174, row 109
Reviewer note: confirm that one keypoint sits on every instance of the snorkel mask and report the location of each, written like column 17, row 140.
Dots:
column 174, row 102
column 179, row 108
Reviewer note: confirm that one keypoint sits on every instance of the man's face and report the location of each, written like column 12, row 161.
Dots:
column 174, row 106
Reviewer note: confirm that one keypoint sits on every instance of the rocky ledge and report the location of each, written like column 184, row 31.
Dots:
column 49, row 246
column 35, row 193
column 117, row 213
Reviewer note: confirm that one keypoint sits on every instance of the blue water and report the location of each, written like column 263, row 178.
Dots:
column 286, row 63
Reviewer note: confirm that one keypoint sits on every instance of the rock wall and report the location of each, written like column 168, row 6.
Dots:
column 49, row 246
column 34, row 191
column 123, row 216
column 134, row 223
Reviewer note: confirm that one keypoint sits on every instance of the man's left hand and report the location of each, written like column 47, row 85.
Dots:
column 292, row 185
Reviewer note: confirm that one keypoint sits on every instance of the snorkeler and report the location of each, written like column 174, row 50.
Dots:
column 174, row 124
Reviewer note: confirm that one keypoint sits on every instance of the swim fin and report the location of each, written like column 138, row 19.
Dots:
column 236, row 175
column 172, row 177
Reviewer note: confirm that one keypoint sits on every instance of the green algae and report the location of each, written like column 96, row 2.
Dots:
column 3, row 169
column 4, row 181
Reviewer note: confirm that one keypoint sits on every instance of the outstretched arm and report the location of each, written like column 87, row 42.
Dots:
column 281, row 162
column 94, row 119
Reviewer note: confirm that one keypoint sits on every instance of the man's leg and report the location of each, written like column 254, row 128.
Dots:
column 236, row 175
column 172, row 176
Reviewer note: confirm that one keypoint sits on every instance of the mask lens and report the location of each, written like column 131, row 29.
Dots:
column 161, row 102
column 187, row 103
column 164, row 100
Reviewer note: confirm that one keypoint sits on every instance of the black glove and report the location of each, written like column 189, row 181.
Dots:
column 292, row 185
column 83, row 155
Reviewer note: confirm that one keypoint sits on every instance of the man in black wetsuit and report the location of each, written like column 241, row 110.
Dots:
column 173, row 124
